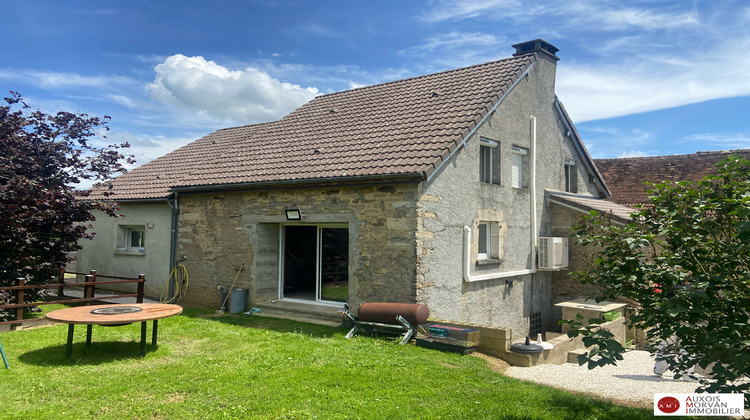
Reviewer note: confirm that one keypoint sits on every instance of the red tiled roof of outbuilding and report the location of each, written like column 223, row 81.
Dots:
column 626, row 176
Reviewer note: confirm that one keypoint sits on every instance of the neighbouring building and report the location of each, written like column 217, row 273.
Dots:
column 456, row 189
column 627, row 177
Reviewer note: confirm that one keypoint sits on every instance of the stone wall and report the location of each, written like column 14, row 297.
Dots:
column 221, row 233
column 563, row 286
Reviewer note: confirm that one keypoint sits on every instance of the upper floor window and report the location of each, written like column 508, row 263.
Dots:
column 489, row 161
column 571, row 176
column 519, row 164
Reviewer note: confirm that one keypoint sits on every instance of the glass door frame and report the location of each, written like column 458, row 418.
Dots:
column 318, row 261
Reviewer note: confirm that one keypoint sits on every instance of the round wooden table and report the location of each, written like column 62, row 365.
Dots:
column 114, row 315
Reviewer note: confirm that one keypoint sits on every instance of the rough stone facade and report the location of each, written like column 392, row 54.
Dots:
column 220, row 232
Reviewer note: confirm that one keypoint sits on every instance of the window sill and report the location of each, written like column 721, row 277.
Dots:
column 489, row 261
column 140, row 253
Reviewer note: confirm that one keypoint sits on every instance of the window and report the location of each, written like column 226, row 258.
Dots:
column 488, row 241
column 571, row 176
column 489, row 161
column 131, row 239
column 518, row 175
column 135, row 237
column 483, row 241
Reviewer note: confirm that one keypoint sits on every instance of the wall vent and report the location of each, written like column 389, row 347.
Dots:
column 553, row 253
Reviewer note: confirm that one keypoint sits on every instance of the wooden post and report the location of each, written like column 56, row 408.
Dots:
column 19, row 298
column 92, row 273
column 61, row 280
column 141, row 284
column 88, row 291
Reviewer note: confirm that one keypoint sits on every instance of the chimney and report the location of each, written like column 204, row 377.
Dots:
column 537, row 45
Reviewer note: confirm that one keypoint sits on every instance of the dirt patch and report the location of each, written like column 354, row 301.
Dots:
column 496, row 364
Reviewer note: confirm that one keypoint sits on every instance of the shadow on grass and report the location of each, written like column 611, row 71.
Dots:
column 98, row 353
column 267, row 323
column 597, row 408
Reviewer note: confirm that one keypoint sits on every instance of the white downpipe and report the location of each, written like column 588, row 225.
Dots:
column 468, row 277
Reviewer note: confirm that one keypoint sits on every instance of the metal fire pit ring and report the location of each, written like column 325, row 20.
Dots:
column 116, row 310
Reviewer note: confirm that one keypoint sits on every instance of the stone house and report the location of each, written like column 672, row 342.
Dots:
column 434, row 189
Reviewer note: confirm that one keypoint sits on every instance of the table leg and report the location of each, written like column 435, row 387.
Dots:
column 69, row 347
column 155, row 327
column 143, row 339
column 89, row 327
column 5, row 358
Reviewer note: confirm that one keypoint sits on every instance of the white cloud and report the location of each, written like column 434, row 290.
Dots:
column 649, row 82
column 633, row 153
column 597, row 15
column 244, row 96
column 465, row 9
column 454, row 40
column 456, row 49
column 641, row 56
column 726, row 141
column 605, row 141
column 53, row 80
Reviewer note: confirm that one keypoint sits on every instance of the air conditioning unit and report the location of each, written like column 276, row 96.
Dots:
column 553, row 253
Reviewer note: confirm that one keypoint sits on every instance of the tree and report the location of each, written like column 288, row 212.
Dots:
column 685, row 261
column 42, row 158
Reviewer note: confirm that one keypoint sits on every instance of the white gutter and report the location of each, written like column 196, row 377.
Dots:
column 468, row 277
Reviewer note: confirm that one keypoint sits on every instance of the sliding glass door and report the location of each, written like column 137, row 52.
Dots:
column 315, row 263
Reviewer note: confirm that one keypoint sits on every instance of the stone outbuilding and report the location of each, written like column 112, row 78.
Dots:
column 455, row 189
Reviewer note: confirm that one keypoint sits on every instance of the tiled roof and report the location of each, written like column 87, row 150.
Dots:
column 626, row 176
column 585, row 204
column 406, row 127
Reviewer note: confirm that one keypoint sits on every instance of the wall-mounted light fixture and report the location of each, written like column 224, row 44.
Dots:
column 293, row 214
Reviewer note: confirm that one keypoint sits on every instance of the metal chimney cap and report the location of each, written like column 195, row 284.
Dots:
column 536, row 45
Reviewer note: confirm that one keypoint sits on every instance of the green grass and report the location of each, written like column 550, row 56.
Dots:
column 207, row 366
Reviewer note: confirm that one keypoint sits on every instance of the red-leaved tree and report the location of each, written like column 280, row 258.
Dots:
column 42, row 216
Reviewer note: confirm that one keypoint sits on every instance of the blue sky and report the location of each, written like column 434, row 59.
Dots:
column 639, row 78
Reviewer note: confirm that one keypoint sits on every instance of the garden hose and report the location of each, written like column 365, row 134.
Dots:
column 179, row 278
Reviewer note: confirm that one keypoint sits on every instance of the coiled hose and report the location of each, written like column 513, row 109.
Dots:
column 180, row 279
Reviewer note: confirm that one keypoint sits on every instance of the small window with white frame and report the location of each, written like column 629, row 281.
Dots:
column 519, row 165
column 483, row 241
column 571, row 176
column 489, row 161
column 131, row 239
column 488, row 240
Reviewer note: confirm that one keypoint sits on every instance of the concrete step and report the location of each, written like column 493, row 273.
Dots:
column 573, row 355
column 312, row 312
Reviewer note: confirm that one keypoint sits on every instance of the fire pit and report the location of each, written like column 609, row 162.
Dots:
column 115, row 310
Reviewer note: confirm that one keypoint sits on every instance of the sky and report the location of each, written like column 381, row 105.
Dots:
column 638, row 78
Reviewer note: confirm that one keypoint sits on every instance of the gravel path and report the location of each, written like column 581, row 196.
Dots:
column 631, row 382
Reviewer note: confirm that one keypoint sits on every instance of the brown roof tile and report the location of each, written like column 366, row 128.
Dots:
column 403, row 127
column 626, row 176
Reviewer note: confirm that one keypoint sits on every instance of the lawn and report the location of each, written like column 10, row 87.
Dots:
column 228, row 366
